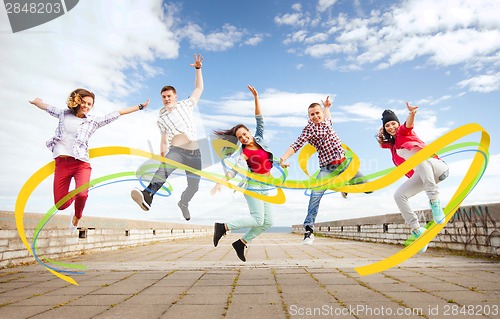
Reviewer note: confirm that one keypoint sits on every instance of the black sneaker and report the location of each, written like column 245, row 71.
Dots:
column 142, row 198
column 240, row 249
column 185, row 210
column 219, row 231
column 308, row 238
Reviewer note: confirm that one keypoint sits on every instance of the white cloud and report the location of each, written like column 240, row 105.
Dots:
column 435, row 101
column 364, row 110
column 297, row 7
column 460, row 166
column 482, row 83
column 358, row 7
column 108, row 48
column 441, row 99
column 323, row 49
column 298, row 36
column 318, row 37
column 323, row 5
column 89, row 54
column 293, row 19
column 216, row 41
column 273, row 103
column 331, row 64
column 255, row 40
column 425, row 124
column 442, row 33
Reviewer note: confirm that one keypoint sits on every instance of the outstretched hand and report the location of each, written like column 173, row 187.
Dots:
column 253, row 90
column 411, row 108
column 145, row 104
column 283, row 164
column 38, row 102
column 327, row 102
column 197, row 61
column 216, row 189
column 380, row 135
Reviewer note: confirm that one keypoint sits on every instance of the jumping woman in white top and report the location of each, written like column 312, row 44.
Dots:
column 69, row 145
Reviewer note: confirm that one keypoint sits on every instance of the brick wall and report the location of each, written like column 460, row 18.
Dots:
column 94, row 234
column 474, row 229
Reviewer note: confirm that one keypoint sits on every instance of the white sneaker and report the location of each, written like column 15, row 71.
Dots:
column 308, row 238
column 72, row 228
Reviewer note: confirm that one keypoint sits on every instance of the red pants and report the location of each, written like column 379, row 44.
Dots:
column 66, row 169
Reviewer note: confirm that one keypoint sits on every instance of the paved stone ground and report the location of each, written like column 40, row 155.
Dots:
column 281, row 279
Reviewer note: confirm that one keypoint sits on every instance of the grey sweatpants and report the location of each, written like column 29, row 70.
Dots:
column 425, row 178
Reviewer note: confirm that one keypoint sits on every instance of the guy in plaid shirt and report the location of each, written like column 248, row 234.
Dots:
column 320, row 134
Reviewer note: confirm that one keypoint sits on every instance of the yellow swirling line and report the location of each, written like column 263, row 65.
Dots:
column 468, row 182
column 48, row 169
column 336, row 183
column 339, row 183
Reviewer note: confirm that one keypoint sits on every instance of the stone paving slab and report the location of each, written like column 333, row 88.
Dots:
column 281, row 279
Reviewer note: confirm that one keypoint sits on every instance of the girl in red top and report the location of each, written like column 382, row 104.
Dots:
column 259, row 160
column 403, row 143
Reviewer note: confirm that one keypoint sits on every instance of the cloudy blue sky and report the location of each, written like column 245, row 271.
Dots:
column 366, row 55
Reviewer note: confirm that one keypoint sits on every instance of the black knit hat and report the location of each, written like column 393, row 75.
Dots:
column 389, row 115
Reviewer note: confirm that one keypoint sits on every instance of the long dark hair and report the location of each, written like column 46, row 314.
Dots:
column 230, row 135
column 231, row 131
column 388, row 138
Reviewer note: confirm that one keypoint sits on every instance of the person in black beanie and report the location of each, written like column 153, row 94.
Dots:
column 387, row 116
column 403, row 143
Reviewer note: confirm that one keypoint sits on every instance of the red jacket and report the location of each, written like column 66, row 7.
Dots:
column 405, row 138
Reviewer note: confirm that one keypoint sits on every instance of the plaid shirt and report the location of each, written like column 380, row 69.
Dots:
column 324, row 139
column 84, row 131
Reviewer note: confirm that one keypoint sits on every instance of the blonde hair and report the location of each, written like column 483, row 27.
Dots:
column 75, row 99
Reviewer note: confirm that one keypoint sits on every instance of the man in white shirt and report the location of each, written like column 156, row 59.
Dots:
column 178, row 143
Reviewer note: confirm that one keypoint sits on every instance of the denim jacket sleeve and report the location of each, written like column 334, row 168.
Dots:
column 240, row 162
column 259, row 130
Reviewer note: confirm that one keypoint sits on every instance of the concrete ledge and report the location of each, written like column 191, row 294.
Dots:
column 94, row 234
column 474, row 229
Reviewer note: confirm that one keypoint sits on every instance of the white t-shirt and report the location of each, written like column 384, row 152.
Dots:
column 65, row 145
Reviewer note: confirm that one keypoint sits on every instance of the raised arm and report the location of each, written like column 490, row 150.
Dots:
column 256, row 99
column 134, row 108
column 326, row 107
column 198, row 81
column 410, row 120
column 38, row 102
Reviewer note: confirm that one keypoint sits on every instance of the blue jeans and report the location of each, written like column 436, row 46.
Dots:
column 261, row 215
column 316, row 195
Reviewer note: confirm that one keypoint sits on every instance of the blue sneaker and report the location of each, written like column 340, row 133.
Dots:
column 437, row 211
column 417, row 233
